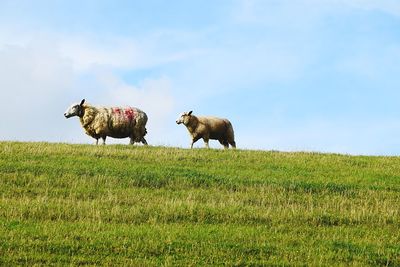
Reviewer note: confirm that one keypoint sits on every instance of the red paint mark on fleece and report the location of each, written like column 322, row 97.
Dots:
column 129, row 113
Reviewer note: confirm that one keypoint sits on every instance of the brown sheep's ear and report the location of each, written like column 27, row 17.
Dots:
column 190, row 112
column 83, row 101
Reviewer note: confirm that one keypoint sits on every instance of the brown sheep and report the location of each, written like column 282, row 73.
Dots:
column 116, row 122
column 208, row 128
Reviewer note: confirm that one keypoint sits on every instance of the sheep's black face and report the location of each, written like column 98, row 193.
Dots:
column 72, row 111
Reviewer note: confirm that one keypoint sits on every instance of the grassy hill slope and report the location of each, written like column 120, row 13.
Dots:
column 125, row 205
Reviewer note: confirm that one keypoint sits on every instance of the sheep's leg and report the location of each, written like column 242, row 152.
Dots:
column 144, row 142
column 206, row 142
column 233, row 144
column 194, row 140
column 97, row 141
column 221, row 141
column 104, row 140
column 224, row 143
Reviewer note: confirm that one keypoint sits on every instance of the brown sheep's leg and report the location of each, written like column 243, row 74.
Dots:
column 233, row 144
column 224, row 143
column 144, row 142
column 194, row 140
column 104, row 139
column 206, row 142
column 97, row 141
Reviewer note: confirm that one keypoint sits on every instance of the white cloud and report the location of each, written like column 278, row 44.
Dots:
column 33, row 81
column 233, row 66
column 119, row 52
column 87, row 53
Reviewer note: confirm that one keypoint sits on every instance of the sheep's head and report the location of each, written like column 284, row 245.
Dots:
column 184, row 118
column 75, row 110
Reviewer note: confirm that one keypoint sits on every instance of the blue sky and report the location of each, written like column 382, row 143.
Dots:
column 291, row 75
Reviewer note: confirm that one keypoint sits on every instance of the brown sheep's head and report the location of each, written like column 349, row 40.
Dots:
column 184, row 118
column 75, row 110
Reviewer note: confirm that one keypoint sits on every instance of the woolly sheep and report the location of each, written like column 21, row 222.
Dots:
column 208, row 128
column 116, row 122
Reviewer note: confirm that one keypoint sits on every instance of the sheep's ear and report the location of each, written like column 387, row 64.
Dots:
column 83, row 101
column 190, row 112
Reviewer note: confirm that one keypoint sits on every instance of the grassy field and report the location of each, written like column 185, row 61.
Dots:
column 63, row 204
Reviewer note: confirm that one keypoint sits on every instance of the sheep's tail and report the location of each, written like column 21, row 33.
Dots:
column 230, row 134
column 144, row 124
column 229, row 129
column 141, row 122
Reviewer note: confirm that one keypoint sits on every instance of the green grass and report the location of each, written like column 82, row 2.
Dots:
column 63, row 204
